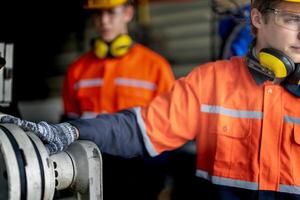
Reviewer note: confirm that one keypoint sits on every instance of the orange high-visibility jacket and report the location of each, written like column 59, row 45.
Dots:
column 94, row 85
column 247, row 135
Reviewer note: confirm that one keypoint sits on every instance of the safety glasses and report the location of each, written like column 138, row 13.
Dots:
column 286, row 19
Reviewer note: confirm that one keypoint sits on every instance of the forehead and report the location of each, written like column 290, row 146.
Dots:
column 289, row 6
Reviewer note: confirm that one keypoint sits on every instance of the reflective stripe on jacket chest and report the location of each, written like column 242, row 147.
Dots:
column 88, row 83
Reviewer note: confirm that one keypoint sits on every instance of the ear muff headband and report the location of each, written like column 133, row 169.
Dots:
column 277, row 62
column 118, row 47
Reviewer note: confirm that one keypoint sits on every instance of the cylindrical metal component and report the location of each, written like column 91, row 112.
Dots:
column 28, row 173
column 48, row 182
column 10, row 180
column 22, row 169
column 88, row 173
column 63, row 170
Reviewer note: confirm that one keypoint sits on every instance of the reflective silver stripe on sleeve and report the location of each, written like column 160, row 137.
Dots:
column 135, row 83
column 291, row 119
column 146, row 139
column 227, row 181
column 88, row 83
column 88, row 115
column 72, row 115
column 289, row 189
column 231, row 112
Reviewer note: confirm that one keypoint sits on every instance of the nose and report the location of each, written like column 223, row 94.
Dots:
column 104, row 17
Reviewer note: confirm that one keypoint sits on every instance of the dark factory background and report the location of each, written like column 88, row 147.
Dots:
column 48, row 36
column 38, row 31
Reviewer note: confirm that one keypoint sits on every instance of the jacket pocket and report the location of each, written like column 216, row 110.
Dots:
column 297, row 134
column 232, row 146
column 230, row 127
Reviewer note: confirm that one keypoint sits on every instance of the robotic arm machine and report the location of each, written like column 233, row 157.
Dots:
column 27, row 172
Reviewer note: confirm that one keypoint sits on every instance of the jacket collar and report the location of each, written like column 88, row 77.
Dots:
column 258, row 77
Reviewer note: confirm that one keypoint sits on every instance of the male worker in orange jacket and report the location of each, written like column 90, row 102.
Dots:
column 244, row 114
column 116, row 73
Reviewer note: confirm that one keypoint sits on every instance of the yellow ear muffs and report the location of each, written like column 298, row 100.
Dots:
column 120, row 46
column 277, row 62
column 100, row 48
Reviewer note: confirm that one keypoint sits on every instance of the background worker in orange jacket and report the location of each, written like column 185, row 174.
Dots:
column 244, row 114
column 117, row 73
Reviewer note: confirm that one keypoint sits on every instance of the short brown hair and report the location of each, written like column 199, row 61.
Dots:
column 262, row 6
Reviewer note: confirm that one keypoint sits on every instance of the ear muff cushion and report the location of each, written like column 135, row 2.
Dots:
column 295, row 76
column 120, row 45
column 100, row 48
column 277, row 62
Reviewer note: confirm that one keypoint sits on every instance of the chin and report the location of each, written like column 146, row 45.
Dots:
column 294, row 56
column 296, row 59
column 107, row 38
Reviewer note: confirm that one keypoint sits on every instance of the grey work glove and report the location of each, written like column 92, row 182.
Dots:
column 57, row 136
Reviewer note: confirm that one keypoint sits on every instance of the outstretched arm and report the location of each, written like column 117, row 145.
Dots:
column 116, row 134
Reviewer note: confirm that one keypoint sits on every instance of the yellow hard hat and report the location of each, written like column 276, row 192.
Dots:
column 103, row 4
column 297, row 1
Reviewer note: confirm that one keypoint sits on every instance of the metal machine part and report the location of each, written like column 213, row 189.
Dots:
column 2, row 62
column 6, row 73
column 27, row 172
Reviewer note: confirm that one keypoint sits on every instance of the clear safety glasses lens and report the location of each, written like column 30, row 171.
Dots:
column 286, row 19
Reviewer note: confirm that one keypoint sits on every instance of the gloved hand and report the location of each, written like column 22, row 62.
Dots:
column 57, row 136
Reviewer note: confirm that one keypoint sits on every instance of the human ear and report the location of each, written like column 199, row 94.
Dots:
column 256, row 18
column 129, row 12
